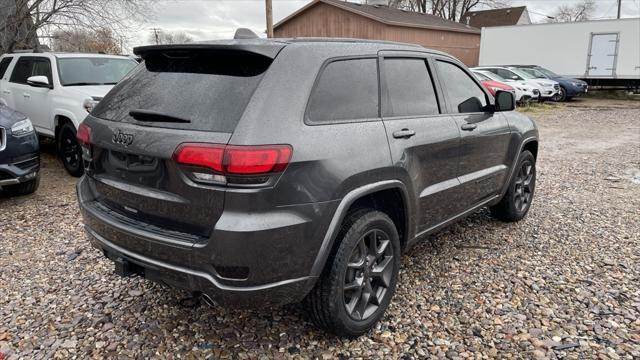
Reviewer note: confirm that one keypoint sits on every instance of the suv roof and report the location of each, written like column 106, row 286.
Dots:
column 271, row 47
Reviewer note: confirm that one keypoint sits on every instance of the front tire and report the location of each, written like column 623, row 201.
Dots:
column 70, row 151
column 516, row 203
column 359, row 278
column 561, row 95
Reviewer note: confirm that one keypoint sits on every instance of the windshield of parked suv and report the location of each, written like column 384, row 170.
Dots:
column 197, row 90
column 548, row 73
column 494, row 76
column 534, row 72
column 480, row 76
column 78, row 71
column 522, row 74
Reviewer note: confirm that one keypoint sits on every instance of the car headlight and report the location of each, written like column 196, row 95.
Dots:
column 545, row 84
column 89, row 104
column 22, row 127
column 576, row 84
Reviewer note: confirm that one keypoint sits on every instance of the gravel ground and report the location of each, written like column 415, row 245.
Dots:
column 565, row 282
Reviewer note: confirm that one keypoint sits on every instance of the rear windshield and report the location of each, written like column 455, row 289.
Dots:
column 204, row 90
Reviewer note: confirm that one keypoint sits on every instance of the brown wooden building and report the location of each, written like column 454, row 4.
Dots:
column 334, row 18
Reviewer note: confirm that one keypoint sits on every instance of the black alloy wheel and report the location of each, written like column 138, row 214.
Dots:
column 368, row 275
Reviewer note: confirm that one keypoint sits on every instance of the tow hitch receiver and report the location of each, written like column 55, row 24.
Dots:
column 125, row 268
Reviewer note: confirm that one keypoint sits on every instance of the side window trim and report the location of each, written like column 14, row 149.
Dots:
column 325, row 64
column 451, row 111
column 384, row 95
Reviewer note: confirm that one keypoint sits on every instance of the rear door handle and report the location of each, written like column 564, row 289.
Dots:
column 403, row 134
column 468, row 127
column 27, row 95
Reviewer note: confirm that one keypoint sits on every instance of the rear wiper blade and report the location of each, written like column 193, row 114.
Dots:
column 154, row 116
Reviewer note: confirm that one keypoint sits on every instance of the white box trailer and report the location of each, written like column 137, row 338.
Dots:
column 601, row 52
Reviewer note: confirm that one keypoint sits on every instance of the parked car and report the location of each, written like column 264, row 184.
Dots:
column 493, row 86
column 523, row 92
column 19, row 157
column 569, row 88
column 57, row 90
column 291, row 181
column 547, row 88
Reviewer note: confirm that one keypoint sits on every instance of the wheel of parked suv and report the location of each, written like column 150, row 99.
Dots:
column 360, row 276
column 70, row 151
column 516, row 202
column 561, row 95
column 25, row 188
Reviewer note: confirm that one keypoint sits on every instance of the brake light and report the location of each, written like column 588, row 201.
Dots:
column 235, row 159
column 84, row 134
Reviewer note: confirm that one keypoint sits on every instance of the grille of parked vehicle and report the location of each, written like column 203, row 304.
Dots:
column 28, row 164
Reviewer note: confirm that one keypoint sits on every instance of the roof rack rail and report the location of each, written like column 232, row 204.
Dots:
column 36, row 50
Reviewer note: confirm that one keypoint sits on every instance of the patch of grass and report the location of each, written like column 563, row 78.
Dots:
column 536, row 107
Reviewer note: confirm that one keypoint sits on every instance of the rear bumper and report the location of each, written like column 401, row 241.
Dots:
column 270, row 262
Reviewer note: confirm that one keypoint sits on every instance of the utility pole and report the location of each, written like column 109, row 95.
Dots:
column 156, row 35
column 619, row 6
column 269, row 9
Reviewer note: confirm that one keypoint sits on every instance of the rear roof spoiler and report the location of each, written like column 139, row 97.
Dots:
column 266, row 48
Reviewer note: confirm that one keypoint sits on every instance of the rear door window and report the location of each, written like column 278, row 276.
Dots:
column 4, row 65
column 346, row 90
column 208, row 89
column 409, row 88
column 460, row 88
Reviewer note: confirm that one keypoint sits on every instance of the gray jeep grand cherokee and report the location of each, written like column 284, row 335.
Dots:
column 263, row 172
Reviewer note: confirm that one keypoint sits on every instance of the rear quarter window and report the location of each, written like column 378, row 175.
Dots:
column 346, row 90
column 210, row 89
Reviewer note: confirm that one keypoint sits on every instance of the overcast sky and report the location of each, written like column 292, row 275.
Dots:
column 218, row 19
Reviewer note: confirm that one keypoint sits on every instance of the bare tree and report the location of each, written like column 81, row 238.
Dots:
column 447, row 9
column 169, row 37
column 570, row 13
column 87, row 41
column 44, row 17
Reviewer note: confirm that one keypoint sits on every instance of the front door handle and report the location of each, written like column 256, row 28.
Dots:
column 6, row 92
column 468, row 127
column 403, row 134
column 27, row 95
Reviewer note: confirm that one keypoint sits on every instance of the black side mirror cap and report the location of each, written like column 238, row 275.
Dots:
column 505, row 101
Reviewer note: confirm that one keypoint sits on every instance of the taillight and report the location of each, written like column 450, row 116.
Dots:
column 84, row 134
column 247, row 164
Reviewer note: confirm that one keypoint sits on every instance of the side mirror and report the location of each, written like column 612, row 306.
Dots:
column 471, row 105
column 515, row 77
column 505, row 101
column 39, row 81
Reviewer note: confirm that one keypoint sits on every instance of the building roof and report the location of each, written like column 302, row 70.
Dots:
column 494, row 17
column 390, row 16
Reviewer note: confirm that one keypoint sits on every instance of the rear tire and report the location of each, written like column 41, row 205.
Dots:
column 360, row 276
column 516, row 203
column 25, row 188
column 69, row 150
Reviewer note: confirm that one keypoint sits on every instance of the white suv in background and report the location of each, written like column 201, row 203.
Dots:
column 57, row 91
column 523, row 92
column 548, row 88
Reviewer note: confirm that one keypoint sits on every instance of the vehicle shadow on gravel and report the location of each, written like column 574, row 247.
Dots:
column 226, row 328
